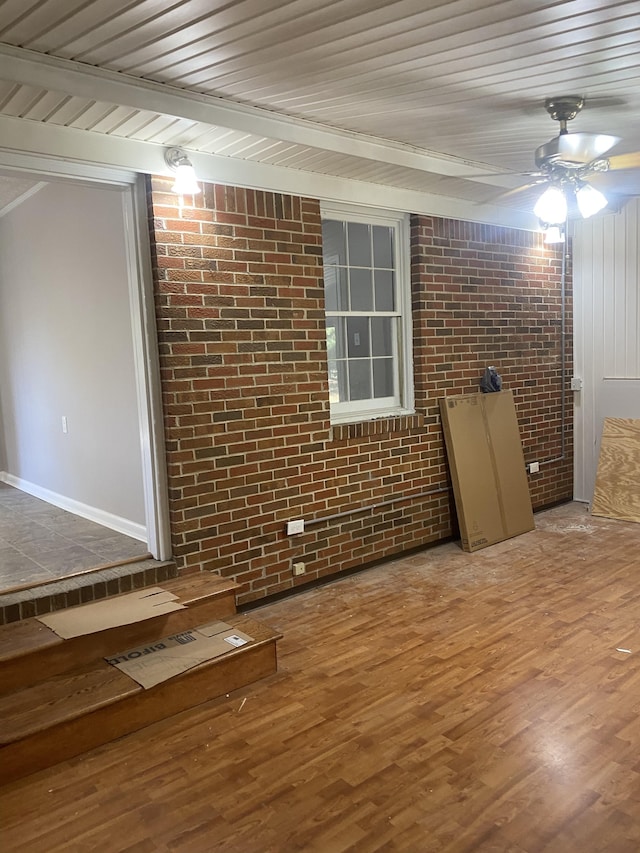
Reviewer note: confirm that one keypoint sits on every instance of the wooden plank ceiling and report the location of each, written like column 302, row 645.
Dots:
column 443, row 93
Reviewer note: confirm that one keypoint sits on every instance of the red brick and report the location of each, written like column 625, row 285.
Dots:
column 249, row 442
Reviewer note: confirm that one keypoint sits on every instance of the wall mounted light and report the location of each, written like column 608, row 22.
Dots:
column 185, row 183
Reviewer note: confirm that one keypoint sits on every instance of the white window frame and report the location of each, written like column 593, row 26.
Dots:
column 357, row 411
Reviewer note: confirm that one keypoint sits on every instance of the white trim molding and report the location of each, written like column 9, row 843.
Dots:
column 372, row 409
column 99, row 516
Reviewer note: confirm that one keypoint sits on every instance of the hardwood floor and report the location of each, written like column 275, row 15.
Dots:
column 441, row 702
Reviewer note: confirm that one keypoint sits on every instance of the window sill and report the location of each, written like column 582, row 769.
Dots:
column 376, row 427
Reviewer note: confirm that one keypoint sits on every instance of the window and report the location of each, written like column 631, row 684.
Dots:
column 368, row 313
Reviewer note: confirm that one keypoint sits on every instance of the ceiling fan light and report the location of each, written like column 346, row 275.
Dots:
column 551, row 207
column 590, row 200
column 554, row 234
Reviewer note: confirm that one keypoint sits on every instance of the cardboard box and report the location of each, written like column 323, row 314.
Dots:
column 487, row 467
column 160, row 660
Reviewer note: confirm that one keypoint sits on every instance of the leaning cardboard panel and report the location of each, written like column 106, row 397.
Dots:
column 487, row 468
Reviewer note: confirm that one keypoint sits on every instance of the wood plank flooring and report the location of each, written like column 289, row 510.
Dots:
column 441, row 702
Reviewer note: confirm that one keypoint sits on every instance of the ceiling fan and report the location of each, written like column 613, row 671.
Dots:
column 569, row 161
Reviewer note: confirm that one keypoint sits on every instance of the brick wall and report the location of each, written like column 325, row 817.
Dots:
column 484, row 295
column 238, row 281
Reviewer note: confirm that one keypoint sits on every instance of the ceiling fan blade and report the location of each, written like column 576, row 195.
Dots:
column 625, row 161
column 514, row 192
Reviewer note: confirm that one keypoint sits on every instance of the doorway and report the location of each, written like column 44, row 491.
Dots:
column 81, row 448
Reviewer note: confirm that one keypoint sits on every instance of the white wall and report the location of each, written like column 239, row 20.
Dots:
column 607, row 332
column 66, row 349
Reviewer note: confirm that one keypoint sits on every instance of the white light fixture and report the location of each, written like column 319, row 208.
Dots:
column 553, row 234
column 185, row 183
column 590, row 200
column 551, row 207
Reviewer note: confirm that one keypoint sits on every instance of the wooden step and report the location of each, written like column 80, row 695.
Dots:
column 30, row 651
column 75, row 711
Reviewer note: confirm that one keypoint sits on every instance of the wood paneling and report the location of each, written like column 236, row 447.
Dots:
column 440, row 703
column 427, row 76
column 607, row 315
column 466, row 79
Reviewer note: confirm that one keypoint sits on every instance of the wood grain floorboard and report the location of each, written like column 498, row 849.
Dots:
column 440, row 703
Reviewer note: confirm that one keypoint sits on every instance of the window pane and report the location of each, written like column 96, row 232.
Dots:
column 382, row 335
column 360, row 379
column 385, row 299
column 341, row 337
column 331, row 339
column 336, row 338
column 333, row 242
column 359, row 240
column 334, row 393
column 338, row 392
column 331, row 288
column 382, row 246
column 358, row 343
column 343, row 392
column 361, row 290
column 383, row 377
column 336, row 293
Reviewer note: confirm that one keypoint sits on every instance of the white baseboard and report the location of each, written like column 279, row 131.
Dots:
column 106, row 519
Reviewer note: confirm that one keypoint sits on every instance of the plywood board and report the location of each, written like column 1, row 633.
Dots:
column 487, row 467
column 158, row 661
column 617, row 490
column 111, row 613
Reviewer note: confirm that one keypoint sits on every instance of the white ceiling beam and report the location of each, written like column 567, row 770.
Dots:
column 31, row 68
column 59, row 151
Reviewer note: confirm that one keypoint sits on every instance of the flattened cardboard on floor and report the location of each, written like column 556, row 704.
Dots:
column 487, row 468
column 617, row 488
column 158, row 661
column 111, row 613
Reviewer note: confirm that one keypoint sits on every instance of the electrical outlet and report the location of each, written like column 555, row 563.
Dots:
column 534, row 467
column 576, row 383
column 295, row 526
column 299, row 569
column 65, row 425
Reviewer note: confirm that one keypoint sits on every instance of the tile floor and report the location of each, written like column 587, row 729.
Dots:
column 40, row 542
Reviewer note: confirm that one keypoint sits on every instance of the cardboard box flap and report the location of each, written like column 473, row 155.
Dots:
column 158, row 661
column 111, row 612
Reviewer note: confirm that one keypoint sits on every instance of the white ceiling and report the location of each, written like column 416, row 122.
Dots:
column 387, row 93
